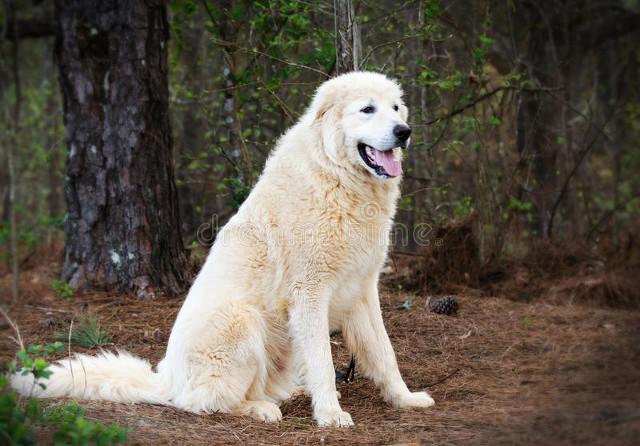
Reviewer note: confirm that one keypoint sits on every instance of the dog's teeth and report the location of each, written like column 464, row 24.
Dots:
column 371, row 154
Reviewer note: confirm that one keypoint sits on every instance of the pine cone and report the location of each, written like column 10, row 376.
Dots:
column 446, row 305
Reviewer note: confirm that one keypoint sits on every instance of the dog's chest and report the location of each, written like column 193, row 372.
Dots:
column 345, row 296
column 362, row 253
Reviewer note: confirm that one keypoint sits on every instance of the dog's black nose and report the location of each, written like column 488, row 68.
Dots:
column 402, row 132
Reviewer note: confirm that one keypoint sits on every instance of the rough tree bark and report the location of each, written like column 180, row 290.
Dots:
column 348, row 42
column 123, row 227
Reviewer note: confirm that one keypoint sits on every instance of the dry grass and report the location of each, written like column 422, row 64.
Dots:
column 518, row 373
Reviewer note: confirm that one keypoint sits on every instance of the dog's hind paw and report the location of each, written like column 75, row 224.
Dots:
column 336, row 418
column 260, row 410
column 414, row 399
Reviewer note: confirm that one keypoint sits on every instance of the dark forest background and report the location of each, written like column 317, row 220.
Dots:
column 525, row 118
column 132, row 130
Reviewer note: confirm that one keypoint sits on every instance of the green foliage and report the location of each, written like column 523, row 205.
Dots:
column 239, row 191
column 20, row 417
column 75, row 430
column 464, row 207
column 17, row 420
column 63, row 289
column 29, row 237
column 32, row 360
column 86, row 333
column 520, row 206
column 243, row 72
column 480, row 52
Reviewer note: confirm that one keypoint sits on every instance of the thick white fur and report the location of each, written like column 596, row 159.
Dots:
column 300, row 258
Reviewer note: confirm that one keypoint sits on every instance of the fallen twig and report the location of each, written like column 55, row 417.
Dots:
column 441, row 380
column 14, row 326
column 48, row 309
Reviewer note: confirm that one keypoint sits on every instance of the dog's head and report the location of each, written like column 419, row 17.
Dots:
column 362, row 120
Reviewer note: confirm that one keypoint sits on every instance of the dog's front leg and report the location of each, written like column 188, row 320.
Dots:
column 309, row 327
column 367, row 338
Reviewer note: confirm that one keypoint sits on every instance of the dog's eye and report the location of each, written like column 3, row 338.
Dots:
column 395, row 107
column 368, row 109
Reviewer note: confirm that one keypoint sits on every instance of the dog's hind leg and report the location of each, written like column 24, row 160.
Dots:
column 227, row 369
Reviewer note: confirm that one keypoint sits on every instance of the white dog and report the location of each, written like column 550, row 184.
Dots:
column 300, row 258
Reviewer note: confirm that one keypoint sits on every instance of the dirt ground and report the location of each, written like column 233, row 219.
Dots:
column 501, row 372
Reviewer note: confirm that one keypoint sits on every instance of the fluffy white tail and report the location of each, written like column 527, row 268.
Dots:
column 119, row 377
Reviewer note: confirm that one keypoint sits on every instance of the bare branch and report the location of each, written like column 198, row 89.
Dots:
column 484, row 97
column 29, row 29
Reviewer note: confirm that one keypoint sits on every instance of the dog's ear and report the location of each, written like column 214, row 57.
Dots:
column 323, row 108
column 326, row 123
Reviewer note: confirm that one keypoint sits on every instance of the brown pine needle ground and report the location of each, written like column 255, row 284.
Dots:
column 501, row 372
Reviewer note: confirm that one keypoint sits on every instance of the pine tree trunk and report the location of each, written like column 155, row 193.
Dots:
column 123, row 226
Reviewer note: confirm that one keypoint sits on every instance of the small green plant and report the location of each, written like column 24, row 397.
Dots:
column 63, row 289
column 32, row 360
column 75, row 430
column 520, row 206
column 19, row 417
column 462, row 208
column 86, row 333
column 16, row 420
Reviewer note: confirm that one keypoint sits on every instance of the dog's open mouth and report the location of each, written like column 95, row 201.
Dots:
column 383, row 162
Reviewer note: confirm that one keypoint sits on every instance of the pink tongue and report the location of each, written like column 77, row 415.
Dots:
column 385, row 159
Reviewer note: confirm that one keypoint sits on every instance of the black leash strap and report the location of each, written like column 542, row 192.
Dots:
column 351, row 371
column 350, row 376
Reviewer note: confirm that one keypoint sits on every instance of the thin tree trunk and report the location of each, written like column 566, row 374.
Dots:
column 414, row 155
column 52, row 134
column 348, row 42
column 191, row 140
column 239, row 150
column 12, row 149
column 536, row 141
column 123, row 227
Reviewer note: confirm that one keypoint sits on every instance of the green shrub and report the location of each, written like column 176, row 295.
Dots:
column 19, row 416
column 63, row 289
column 75, row 430
column 32, row 360
column 16, row 420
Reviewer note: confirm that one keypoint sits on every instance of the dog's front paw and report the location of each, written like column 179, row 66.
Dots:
column 333, row 417
column 414, row 399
